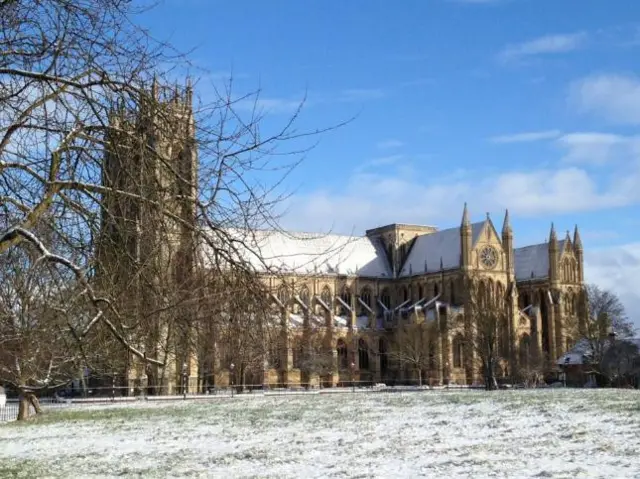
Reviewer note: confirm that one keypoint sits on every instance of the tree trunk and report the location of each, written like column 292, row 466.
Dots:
column 24, row 406
column 35, row 402
column 420, row 377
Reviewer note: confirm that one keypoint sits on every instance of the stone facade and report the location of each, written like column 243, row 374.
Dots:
column 422, row 274
column 339, row 296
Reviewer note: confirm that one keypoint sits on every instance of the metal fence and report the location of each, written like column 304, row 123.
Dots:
column 118, row 396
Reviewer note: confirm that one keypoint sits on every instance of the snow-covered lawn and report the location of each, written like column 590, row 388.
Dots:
column 544, row 433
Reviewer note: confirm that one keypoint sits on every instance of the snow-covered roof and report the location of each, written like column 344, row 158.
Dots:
column 428, row 249
column 582, row 348
column 311, row 253
column 532, row 262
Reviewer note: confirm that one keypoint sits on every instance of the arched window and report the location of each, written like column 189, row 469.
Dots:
column 503, row 335
column 298, row 353
column 420, row 292
column 283, row 295
column 404, row 294
column 363, row 354
column 525, row 350
column 500, row 294
column 385, row 298
column 482, row 295
column 345, row 296
column 384, row 359
column 436, row 291
column 365, row 297
column 343, row 359
column 305, row 296
column 490, row 293
column 458, row 351
column 326, row 296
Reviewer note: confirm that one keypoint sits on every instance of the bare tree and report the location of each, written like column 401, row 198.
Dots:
column 412, row 346
column 318, row 358
column 606, row 322
column 141, row 184
column 484, row 330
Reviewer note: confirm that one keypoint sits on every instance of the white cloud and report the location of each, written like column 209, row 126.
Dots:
column 526, row 136
column 617, row 269
column 371, row 199
column 391, row 143
column 599, row 148
column 548, row 44
column 614, row 97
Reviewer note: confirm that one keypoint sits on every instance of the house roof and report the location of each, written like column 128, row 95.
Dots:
column 532, row 262
column 310, row 253
column 428, row 249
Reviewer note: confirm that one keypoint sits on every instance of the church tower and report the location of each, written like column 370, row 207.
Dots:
column 146, row 247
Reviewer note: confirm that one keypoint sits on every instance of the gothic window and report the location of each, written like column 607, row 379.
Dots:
column 365, row 297
column 283, row 295
column 503, row 335
column 305, row 296
column 346, row 297
column 343, row 359
column 297, row 353
column 325, row 296
column 274, row 355
column 525, row 350
column 363, row 354
column 385, row 298
column 384, row 358
column 500, row 294
column 420, row 292
column 482, row 295
column 404, row 294
column 458, row 351
column 490, row 293
column 436, row 291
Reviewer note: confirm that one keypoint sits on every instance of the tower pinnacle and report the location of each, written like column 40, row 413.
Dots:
column 577, row 241
column 506, row 225
column 465, row 216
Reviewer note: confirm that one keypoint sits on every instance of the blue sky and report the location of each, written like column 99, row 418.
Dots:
column 532, row 105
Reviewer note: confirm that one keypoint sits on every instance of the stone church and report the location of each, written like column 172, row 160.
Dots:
column 351, row 292
column 357, row 290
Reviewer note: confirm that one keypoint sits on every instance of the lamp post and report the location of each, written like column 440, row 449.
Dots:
column 184, row 381
column 265, row 378
column 353, row 383
column 231, row 368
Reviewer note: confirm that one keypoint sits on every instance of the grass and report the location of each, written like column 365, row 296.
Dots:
column 551, row 433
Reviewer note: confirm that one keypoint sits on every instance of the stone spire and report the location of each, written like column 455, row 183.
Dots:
column 577, row 242
column 506, row 226
column 507, row 242
column 553, row 238
column 553, row 256
column 465, row 240
column 465, row 216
